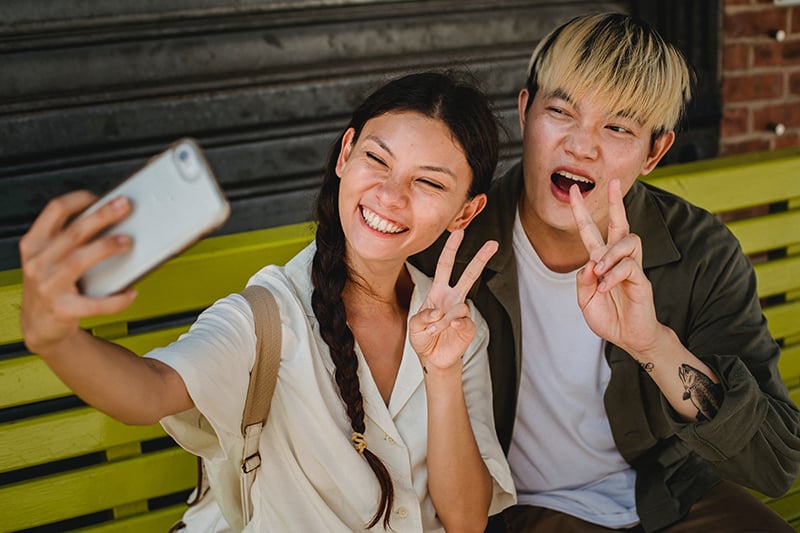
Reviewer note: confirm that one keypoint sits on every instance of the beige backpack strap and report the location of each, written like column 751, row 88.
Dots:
column 263, row 378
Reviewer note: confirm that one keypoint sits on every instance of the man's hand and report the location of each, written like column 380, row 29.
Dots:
column 614, row 294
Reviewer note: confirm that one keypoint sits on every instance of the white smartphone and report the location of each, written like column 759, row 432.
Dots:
column 175, row 200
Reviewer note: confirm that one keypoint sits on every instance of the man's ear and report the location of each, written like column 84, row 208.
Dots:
column 470, row 210
column 660, row 147
column 344, row 150
column 522, row 104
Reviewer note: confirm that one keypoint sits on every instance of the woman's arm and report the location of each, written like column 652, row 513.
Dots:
column 55, row 253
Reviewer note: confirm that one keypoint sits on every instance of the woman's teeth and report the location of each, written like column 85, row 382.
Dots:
column 379, row 224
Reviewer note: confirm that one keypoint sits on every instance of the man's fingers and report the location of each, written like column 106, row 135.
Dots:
column 589, row 232
column 475, row 267
column 618, row 227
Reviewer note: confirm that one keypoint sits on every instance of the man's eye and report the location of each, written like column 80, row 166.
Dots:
column 619, row 129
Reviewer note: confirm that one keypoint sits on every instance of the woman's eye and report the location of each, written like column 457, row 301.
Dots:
column 433, row 184
column 375, row 158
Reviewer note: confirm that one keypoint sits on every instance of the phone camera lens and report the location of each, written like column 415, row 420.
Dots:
column 187, row 162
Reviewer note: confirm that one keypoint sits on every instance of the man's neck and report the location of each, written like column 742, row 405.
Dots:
column 560, row 251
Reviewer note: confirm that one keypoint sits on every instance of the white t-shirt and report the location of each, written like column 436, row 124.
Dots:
column 311, row 477
column 562, row 453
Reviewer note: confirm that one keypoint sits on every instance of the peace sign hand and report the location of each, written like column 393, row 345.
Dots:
column 614, row 294
column 442, row 329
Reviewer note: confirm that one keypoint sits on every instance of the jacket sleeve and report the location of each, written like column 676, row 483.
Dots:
column 754, row 439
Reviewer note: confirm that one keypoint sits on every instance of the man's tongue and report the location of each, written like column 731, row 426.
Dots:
column 564, row 183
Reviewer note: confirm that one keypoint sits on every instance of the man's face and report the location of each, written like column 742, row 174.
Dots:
column 568, row 142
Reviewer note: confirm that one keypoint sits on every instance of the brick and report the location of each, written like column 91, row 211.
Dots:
column 752, row 87
column 787, row 114
column 794, row 83
column 736, row 2
column 735, row 57
column 767, row 54
column 755, row 23
column 796, row 19
column 789, row 140
column 744, row 147
column 735, row 121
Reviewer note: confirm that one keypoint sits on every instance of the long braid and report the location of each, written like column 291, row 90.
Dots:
column 329, row 275
column 468, row 115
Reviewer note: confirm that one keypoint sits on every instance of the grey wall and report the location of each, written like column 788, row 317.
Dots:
column 90, row 89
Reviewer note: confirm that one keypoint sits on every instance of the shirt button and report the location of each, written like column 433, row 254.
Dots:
column 389, row 439
column 402, row 512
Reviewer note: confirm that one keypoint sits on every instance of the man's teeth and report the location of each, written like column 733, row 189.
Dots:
column 574, row 177
column 379, row 224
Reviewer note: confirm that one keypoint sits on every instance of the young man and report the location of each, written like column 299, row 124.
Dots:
column 632, row 367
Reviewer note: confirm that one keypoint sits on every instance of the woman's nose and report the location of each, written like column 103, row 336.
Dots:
column 393, row 191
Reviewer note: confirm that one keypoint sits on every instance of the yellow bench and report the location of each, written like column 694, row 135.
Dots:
column 68, row 466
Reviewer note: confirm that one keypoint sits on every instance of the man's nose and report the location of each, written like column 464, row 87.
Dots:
column 582, row 143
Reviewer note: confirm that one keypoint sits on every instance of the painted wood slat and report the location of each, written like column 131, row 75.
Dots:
column 730, row 183
column 61, row 496
column 767, row 232
column 778, row 276
column 159, row 520
column 783, row 320
column 61, row 435
column 211, row 269
column 27, row 379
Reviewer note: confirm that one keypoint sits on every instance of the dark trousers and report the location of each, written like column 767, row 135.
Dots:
column 726, row 508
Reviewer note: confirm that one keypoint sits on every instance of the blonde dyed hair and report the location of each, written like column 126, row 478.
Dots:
column 619, row 60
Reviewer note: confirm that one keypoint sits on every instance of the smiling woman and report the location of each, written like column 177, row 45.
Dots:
column 383, row 370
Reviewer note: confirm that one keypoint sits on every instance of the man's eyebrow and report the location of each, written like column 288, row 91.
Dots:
column 432, row 168
column 561, row 94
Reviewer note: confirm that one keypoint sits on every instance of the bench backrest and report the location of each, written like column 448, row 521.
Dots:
column 66, row 464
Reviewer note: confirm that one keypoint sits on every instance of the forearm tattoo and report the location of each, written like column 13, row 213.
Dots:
column 648, row 366
column 704, row 394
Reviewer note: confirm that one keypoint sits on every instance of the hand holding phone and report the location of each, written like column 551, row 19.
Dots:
column 175, row 200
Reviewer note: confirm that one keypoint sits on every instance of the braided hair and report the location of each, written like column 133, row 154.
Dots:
column 467, row 113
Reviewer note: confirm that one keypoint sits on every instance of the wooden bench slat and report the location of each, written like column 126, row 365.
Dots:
column 89, row 490
column 789, row 365
column 158, row 520
column 27, row 379
column 727, row 184
column 778, row 276
column 783, row 320
column 211, row 269
column 65, row 434
column 767, row 232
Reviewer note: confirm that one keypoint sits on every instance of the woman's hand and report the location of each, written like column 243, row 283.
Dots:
column 55, row 252
column 442, row 329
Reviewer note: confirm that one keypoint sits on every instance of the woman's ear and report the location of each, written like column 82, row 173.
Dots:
column 344, row 150
column 470, row 210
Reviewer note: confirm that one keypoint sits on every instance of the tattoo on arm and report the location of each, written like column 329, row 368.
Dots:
column 701, row 391
column 648, row 366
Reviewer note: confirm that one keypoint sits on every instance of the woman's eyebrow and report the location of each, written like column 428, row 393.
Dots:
column 432, row 168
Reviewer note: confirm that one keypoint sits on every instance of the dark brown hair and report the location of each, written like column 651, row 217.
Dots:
column 467, row 113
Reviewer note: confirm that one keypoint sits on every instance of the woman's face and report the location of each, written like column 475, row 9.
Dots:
column 404, row 181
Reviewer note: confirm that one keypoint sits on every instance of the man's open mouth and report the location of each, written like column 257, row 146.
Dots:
column 564, row 180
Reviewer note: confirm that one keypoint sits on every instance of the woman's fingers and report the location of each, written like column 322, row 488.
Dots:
column 444, row 266
column 52, row 220
column 474, row 268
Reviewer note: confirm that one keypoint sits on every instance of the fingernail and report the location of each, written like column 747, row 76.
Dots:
column 430, row 330
column 119, row 203
column 599, row 267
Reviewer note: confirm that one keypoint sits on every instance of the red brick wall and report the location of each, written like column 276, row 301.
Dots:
column 760, row 76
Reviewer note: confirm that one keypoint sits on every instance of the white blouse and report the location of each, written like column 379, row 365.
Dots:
column 311, row 477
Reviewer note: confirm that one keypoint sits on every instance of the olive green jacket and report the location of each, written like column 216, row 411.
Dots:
column 705, row 290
